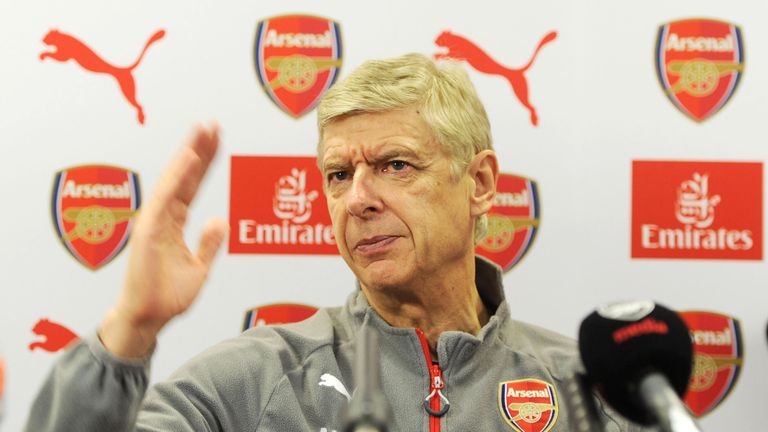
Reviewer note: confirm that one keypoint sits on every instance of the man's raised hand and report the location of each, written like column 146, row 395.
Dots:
column 164, row 276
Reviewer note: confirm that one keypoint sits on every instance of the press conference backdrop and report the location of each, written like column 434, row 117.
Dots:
column 630, row 135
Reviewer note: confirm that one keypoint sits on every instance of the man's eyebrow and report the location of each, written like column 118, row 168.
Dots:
column 334, row 165
column 396, row 152
column 386, row 152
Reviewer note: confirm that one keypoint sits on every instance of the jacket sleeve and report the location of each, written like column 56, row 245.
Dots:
column 90, row 389
column 227, row 387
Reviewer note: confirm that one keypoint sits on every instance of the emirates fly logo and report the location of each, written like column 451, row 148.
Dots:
column 694, row 205
column 280, row 211
column 292, row 200
column 704, row 210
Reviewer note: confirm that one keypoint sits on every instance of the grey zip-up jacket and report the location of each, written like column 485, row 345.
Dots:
column 298, row 377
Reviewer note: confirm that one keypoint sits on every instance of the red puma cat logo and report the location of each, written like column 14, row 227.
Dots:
column 66, row 47
column 460, row 48
column 56, row 336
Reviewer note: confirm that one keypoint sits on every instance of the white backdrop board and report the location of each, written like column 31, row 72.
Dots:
column 600, row 106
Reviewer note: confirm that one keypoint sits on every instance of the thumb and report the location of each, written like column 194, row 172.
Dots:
column 210, row 241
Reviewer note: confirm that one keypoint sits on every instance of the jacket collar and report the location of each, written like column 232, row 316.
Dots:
column 488, row 279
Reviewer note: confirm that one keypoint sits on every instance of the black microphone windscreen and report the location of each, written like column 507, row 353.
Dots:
column 621, row 343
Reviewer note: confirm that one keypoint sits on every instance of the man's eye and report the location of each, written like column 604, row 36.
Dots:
column 338, row 176
column 398, row 165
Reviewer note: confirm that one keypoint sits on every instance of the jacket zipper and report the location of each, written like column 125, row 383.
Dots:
column 436, row 385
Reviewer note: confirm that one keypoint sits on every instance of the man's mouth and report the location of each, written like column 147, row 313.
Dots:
column 374, row 244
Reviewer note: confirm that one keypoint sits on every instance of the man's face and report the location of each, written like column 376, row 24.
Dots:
column 399, row 215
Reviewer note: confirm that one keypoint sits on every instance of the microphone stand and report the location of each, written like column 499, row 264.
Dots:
column 369, row 410
column 657, row 394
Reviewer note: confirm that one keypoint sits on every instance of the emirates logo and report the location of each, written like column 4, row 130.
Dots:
column 697, row 210
column 292, row 200
column 281, row 210
column 694, row 206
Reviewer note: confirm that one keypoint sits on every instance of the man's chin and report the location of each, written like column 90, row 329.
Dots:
column 383, row 274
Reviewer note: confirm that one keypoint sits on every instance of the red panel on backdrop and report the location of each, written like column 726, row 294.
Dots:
column 283, row 313
column 277, row 206
column 698, row 210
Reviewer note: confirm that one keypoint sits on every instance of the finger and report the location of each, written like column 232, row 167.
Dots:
column 181, row 179
column 213, row 236
column 206, row 148
column 194, row 161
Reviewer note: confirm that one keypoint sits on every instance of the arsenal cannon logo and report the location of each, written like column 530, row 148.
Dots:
column 297, row 59
column 512, row 221
column 528, row 405
column 718, row 355
column 699, row 63
column 92, row 207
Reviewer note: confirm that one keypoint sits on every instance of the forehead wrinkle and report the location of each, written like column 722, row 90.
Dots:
column 375, row 152
column 334, row 154
column 344, row 150
column 420, row 143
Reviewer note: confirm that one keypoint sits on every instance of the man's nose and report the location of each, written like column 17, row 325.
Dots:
column 363, row 199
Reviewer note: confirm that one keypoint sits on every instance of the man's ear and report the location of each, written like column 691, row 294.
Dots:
column 484, row 172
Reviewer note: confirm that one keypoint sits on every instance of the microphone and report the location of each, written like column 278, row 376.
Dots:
column 639, row 355
column 369, row 410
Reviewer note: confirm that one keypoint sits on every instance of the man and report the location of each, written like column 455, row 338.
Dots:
column 405, row 151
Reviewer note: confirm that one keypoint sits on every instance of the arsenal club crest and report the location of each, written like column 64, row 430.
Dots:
column 528, row 405
column 718, row 355
column 512, row 221
column 277, row 314
column 699, row 63
column 92, row 207
column 297, row 59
